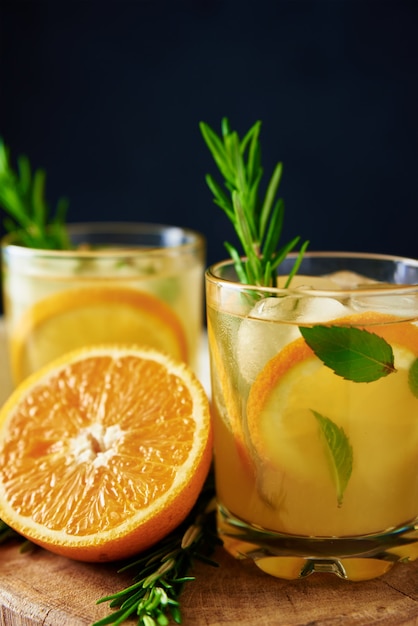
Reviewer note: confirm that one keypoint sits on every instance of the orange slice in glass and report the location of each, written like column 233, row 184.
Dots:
column 379, row 419
column 76, row 318
column 103, row 452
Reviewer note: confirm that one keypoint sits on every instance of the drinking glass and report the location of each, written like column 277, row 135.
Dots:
column 120, row 283
column 315, row 407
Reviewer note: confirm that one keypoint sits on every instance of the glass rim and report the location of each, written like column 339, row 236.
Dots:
column 214, row 278
column 193, row 239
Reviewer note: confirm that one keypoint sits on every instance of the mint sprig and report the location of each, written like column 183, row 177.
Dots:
column 340, row 453
column 353, row 353
column 413, row 378
column 257, row 219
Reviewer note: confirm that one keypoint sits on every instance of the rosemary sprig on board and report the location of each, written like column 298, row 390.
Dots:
column 162, row 571
column 257, row 221
column 7, row 533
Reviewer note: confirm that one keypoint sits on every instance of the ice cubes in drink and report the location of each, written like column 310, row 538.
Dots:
column 405, row 305
column 345, row 279
column 274, row 322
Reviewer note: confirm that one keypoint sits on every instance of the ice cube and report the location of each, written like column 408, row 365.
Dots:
column 302, row 281
column 273, row 323
column 259, row 339
column 401, row 305
column 344, row 279
column 298, row 309
column 314, row 310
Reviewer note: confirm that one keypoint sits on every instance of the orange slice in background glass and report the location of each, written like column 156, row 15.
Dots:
column 76, row 318
column 103, row 452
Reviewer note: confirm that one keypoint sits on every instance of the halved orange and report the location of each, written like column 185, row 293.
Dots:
column 103, row 452
column 379, row 418
column 74, row 318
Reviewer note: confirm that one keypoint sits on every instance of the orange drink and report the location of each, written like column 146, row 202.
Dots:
column 121, row 283
column 315, row 403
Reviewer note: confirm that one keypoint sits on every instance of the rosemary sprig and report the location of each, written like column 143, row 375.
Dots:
column 258, row 223
column 162, row 571
column 22, row 197
column 7, row 533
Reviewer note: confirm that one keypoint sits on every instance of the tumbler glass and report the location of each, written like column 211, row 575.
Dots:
column 315, row 407
column 120, row 283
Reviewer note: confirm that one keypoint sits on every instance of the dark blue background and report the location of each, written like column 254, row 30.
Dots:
column 107, row 97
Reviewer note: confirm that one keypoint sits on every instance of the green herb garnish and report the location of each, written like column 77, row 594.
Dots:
column 353, row 353
column 413, row 378
column 7, row 533
column 340, row 452
column 162, row 571
column 22, row 197
column 257, row 222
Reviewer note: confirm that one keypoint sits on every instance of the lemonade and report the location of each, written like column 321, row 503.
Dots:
column 315, row 400
column 123, row 283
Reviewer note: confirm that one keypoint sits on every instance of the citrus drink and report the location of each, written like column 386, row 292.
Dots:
column 123, row 283
column 315, row 401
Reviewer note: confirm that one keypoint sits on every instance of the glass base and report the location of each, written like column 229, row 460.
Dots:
column 291, row 557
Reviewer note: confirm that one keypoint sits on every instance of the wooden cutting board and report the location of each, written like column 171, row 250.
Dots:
column 42, row 589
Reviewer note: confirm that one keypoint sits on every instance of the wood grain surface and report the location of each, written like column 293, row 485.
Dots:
column 42, row 589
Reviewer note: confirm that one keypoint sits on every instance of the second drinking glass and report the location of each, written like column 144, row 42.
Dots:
column 121, row 283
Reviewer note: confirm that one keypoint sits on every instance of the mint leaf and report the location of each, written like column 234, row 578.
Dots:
column 340, row 453
column 413, row 378
column 353, row 353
